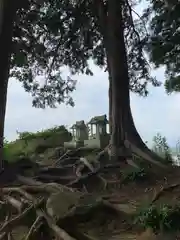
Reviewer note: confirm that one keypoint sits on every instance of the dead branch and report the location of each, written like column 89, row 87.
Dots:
column 16, row 220
column 14, row 202
column 66, row 154
column 3, row 235
column 62, row 179
column 56, row 170
column 60, row 233
column 79, row 169
column 33, row 227
column 25, row 194
column 28, row 181
column 87, row 164
column 158, row 194
column 44, row 187
column 91, row 174
column 37, row 185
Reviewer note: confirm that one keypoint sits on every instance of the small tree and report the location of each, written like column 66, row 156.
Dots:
column 161, row 147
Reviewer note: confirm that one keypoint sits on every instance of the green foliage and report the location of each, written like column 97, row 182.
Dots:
column 172, row 84
column 35, row 143
column 165, row 218
column 12, row 154
column 56, row 33
column 132, row 174
column 42, row 134
column 160, row 146
column 164, row 42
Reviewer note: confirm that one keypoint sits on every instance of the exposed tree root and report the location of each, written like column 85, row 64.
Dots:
column 142, row 154
column 35, row 208
column 138, row 147
column 158, row 194
column 67, row 188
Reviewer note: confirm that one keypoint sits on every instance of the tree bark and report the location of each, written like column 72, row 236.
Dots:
column 132, row 134
column 110, row 105
column 116, row 54
column 7, row 15
column 121, row 120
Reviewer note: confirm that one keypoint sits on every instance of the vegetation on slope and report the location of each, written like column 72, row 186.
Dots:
column 29, row 143
column 129, row 186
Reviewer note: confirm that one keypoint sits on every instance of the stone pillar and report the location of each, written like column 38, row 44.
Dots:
column 103, row 127
column 73, row 133
column 77, row 133
column 97, row 130
column 80, row 134
column 91, row 134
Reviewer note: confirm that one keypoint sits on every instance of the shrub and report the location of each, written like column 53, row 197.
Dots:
column 165, row 218
column 161, row 147
column 42, row 134
column 134, row 175
column 29, row 143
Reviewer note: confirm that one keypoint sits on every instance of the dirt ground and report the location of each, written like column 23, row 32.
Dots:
column 125, row 198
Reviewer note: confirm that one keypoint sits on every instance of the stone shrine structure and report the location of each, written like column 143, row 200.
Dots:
column 83, row 134
column 101, row 138
column 79, row 131
column 79, row 134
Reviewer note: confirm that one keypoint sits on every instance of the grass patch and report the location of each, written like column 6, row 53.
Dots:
column 163, row 218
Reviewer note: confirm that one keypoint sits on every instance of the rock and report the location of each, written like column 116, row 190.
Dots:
column 60, row 203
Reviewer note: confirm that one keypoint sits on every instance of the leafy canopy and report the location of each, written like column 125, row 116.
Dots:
column 69, row 33
column 164, row 44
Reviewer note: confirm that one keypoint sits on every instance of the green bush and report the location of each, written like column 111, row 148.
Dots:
column 164, row 218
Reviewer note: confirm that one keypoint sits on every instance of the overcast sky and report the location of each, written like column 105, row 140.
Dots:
column 156, row 113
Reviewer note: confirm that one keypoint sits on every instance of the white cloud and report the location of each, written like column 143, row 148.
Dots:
column 156, row 113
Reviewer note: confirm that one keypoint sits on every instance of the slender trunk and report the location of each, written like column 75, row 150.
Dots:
column 119, row 77
column 110, row 105
column 7, row 14
column 110, row 94
column 102, row 15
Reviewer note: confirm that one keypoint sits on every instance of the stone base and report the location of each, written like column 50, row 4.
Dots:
column 100, row 143
column 73, row 144
column 93, row 143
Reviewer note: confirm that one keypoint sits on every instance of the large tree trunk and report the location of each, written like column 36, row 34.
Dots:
column 7, row 14
column 141, row 149
column 116, row 54
column 123, row 128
